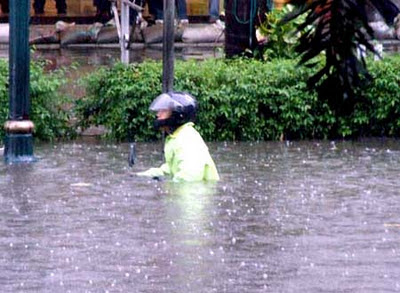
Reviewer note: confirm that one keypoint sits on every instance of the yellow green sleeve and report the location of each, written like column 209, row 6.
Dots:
column 155, row 172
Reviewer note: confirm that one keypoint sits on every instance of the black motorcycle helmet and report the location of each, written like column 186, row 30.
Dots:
column 182, row 105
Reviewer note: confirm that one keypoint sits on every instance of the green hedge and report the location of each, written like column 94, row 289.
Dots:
column 49, row 110
column 241, row 100
column 378, row 112
column 238, row 99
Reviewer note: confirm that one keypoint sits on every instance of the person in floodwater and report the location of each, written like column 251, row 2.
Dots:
column 186, row 155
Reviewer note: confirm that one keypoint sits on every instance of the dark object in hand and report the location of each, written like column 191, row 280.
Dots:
column 132, row 155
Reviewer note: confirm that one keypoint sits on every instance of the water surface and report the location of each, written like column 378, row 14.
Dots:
column 286, row 217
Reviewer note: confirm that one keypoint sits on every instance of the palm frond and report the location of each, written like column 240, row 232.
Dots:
column 338, row 28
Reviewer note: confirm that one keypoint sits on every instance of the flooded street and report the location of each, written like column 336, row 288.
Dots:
column 286, row 217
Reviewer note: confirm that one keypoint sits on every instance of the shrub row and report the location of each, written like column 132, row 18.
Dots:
column 48, row 106
column 240, row 100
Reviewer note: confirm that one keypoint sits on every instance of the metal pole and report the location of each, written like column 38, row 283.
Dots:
column 124, row 33
column 168, row 46
column 19, row 128
column 237, row 29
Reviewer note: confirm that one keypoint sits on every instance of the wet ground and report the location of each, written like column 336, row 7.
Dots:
column 88, row 56
column 286, row 217
column 108, row 55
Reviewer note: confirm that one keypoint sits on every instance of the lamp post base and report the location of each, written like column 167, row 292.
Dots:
column 18, row 146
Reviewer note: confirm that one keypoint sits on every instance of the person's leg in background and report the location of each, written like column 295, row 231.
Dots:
column 213, row 10
column 150, row 7
column 157, row 6
column 4, row 6
column 182, row 12
column 103, row 13
column 152, row 11
column 61, row 6
column 38, row 6
column 96, row 4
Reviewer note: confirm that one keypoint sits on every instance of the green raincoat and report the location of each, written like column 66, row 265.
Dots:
column 186, row 157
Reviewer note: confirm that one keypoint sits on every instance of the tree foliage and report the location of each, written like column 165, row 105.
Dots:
column 338, row 29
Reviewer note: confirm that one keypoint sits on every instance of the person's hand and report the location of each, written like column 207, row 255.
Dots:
column 146, row 174
column 143, row 174
column 152, row 172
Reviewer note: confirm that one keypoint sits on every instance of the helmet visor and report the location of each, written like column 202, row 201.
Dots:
column 172, row 101
column 164, row 102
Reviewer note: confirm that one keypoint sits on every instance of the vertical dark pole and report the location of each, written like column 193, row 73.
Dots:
column 237, row 31
column 168, row 46
column 19, row 140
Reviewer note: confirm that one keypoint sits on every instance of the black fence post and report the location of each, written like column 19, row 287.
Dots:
column 168, row 46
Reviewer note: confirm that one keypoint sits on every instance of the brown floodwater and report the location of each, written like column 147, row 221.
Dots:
column 307, row 216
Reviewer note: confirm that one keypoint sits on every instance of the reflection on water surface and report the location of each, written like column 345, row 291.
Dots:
column 286, row 217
